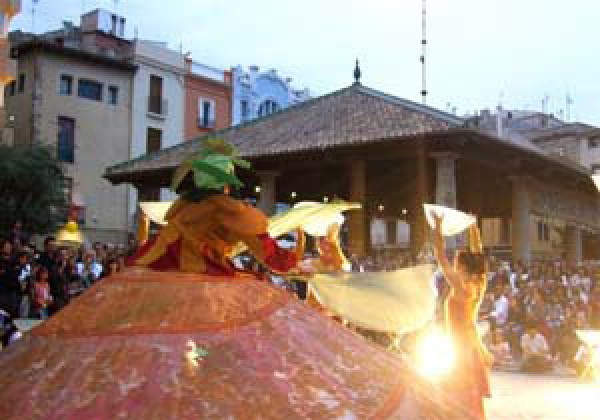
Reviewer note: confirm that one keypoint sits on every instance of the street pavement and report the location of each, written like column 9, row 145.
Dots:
column 517, row 396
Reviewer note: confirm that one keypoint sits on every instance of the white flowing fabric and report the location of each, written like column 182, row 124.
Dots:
column 453, row 221
column 156, row 210
column 398, row 301
column 589, row 337
column 596, row 179
column 314, row 218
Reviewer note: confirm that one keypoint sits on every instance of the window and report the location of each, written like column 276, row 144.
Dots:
column 155, row 102
column 543, row 232
column 267, row 108
column 153, row 140
column 113, row 95
column 593, row 142
column 66, row 139
column 90, row 89
column 244, row 110
column 206, row 113
column 21, row 82
column 66, row 84
column 113, row 22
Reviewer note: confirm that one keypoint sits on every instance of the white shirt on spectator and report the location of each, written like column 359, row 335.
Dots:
column 96, row 269
column 500, row 312
column 535, row 345
column 513, row 280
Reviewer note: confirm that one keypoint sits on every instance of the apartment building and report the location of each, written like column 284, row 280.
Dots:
column 208, row 96
column 73, row 93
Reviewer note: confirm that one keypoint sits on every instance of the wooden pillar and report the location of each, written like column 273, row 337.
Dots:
column 445, row 187
column 267, row 200
column 574, row 244
column 521, row 220
column 357, row 219
column 418, row 225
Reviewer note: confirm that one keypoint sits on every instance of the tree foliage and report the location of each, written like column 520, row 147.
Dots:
column 32, row 189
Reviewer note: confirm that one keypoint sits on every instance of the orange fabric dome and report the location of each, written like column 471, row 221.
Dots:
column 185, row 346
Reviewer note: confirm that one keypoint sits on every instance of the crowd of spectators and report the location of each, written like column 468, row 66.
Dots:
column 530, row 312
column 534, row 311
column 36, row 283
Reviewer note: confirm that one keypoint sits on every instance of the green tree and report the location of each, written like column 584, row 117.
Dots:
column 32, row 189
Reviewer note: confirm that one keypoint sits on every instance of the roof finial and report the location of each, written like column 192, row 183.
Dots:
column 357, row 73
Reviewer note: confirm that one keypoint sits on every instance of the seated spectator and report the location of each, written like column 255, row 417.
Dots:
column 536, row 354
column 500, row 349
column 500, row 312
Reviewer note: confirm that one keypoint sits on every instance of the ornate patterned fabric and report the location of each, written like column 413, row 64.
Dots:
column 158, row 345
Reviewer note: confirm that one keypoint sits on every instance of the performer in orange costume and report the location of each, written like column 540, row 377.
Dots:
column 205, row 224
column 469, row 383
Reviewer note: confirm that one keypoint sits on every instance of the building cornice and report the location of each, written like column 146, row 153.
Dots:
column 53, row 48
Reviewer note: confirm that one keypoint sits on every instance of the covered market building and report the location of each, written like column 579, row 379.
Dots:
column 392, row 155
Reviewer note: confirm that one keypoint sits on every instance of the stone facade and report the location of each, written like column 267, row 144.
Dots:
column 100, row 130
column 257, row 94
column 8, row 9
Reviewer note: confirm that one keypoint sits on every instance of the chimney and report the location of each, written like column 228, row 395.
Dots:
column 499, row 120
column 485, row 115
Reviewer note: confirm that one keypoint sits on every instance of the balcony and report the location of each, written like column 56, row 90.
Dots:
column 157, row 107
column 204, row 123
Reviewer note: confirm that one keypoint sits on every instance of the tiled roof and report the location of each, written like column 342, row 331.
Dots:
column 351, row 116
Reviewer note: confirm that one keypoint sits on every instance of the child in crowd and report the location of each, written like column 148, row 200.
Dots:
column 42, row 298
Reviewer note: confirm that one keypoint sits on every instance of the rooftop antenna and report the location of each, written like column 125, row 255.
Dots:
column 423, row 51
column 357, row 73
column 33, row 7
column 545, row 100
column 569, row 100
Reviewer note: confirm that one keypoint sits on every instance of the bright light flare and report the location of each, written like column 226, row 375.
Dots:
column 435, row 355
column 191, row 355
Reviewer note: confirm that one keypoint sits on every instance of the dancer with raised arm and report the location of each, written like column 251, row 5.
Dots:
column 469, row 383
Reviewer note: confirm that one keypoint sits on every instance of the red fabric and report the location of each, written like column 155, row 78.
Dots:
column 214, row 267
column 278, row 259
column 168, row 261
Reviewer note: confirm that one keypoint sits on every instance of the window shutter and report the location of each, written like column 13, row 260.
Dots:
column 213, row 112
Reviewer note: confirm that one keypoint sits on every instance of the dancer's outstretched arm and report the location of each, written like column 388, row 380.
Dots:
column 475, row 244
column 439, row 247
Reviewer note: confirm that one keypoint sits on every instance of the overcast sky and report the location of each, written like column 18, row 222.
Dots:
column 480, row 52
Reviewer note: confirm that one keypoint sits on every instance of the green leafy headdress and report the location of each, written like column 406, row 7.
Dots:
column 213, row 167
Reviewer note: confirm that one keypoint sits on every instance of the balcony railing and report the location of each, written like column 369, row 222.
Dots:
column 157, row 106
column 203, row 123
